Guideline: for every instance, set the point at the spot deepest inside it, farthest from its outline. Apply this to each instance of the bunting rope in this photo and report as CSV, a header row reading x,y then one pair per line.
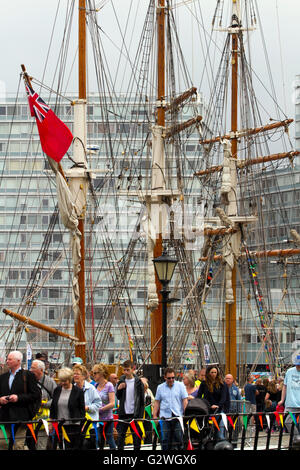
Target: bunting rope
x,y
136,425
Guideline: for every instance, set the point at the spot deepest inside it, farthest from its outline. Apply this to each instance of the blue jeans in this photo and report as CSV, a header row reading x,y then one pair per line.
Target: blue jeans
x,y
109,437
171,434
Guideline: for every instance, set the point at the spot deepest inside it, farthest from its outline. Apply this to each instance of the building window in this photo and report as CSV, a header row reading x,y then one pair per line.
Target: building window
x,y
51,314
54,293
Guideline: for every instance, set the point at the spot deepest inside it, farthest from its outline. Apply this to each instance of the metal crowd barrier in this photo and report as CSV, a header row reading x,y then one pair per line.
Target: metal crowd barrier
x,y
242,429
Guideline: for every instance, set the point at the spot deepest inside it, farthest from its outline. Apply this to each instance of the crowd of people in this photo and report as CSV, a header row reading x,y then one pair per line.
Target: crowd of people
x,y
88,409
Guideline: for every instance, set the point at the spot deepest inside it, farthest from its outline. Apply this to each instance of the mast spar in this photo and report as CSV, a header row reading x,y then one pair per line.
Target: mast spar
x,y
230,309
158,181
77,178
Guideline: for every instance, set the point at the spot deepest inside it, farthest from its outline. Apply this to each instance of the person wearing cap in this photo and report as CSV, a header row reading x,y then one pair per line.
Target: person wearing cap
x,y
290,395
76,361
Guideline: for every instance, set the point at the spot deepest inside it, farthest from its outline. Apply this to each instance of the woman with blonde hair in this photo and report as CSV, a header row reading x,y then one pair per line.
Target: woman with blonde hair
x,y
68,405
189,382
106,392
92,401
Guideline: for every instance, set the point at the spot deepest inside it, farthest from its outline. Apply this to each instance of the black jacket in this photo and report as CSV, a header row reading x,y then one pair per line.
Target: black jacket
x,y
139,399
76,403
219,396
28,394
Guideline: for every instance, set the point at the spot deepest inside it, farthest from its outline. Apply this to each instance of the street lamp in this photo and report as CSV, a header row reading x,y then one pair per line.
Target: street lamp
x,y
164,266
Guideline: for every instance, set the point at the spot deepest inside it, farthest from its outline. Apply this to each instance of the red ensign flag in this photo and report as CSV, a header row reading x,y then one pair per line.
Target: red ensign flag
x,y
55,136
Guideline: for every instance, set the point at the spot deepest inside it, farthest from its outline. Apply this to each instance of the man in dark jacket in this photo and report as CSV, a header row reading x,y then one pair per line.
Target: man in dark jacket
x,y
130,393
19,396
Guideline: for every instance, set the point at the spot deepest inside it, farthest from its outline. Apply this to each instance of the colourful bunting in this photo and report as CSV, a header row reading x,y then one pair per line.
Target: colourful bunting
x,y
154,427
55,425
231,422
46,426
215,422
103,430
245,421
224,419
132,424
141,426
148,410
190,447
96,433
4,432
65,435
293,417
194,425
13,431
32,431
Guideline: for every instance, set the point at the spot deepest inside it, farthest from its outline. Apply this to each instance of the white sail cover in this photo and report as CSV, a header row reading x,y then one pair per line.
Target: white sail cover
x,y
68,215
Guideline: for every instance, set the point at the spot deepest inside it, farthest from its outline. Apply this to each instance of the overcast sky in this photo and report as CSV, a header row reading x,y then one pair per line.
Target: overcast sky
x,y
26,27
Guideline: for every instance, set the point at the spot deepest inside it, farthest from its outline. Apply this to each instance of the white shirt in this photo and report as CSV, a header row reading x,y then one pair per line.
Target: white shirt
x,y
129,400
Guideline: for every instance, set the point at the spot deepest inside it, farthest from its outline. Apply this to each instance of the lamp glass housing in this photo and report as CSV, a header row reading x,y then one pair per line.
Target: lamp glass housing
x,y
164,267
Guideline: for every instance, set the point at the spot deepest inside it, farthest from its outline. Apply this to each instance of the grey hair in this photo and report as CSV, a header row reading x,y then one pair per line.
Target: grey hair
x,y
18,355
40,364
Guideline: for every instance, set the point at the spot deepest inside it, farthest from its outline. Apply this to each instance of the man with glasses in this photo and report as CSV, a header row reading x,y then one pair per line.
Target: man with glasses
x,y
170,403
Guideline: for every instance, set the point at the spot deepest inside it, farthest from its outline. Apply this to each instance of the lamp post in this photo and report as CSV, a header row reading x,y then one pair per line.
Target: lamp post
x,y
164,266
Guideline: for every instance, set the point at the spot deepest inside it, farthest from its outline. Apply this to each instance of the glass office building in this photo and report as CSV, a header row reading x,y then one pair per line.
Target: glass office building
x,y
34,246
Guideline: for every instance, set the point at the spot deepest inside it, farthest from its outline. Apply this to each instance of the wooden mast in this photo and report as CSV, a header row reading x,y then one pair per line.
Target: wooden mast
x,y
156,315
230,308
80,347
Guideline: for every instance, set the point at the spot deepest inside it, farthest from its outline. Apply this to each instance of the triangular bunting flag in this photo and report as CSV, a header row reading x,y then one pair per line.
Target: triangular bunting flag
x,y
46,426
65,435
190,447
224,419
55,425
32,431
194,425
281,419
261,421
293,417
4,432
96,433
148,410
12,427
103,431
276,416
154,427
132,424
231,422
215,422
142,429
268,420
180,419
